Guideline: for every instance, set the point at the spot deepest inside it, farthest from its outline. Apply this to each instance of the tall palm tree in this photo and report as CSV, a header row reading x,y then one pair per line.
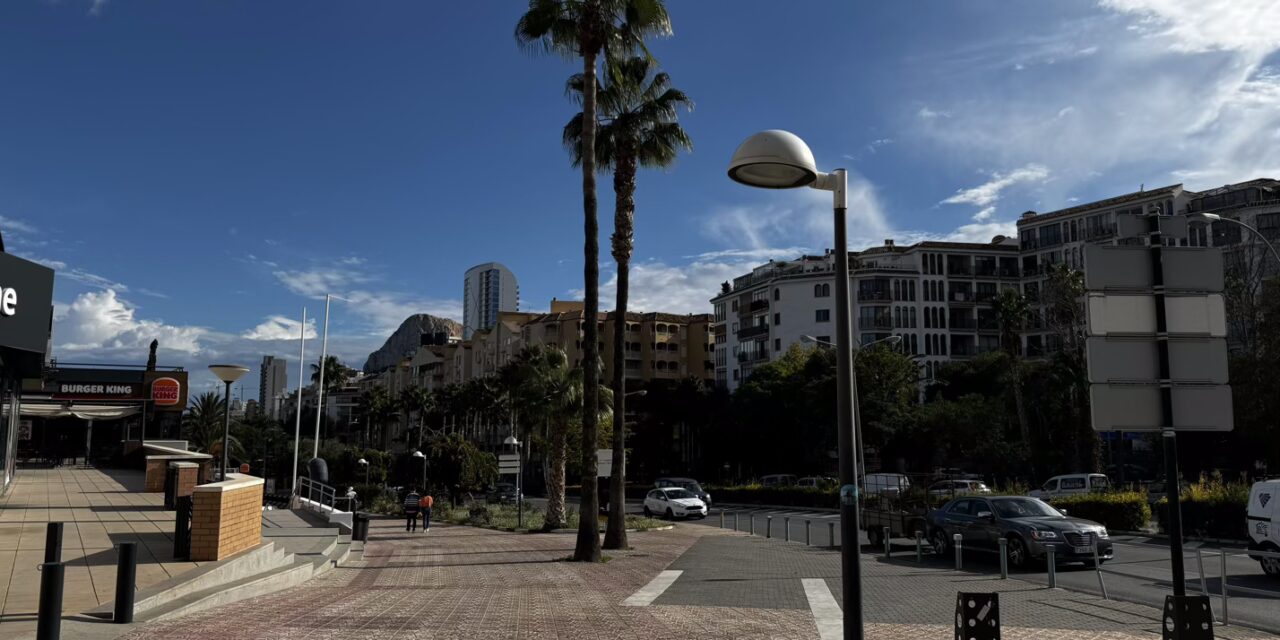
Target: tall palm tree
x,y
203,424
335,374
638,127
415,401
583,29
1012,312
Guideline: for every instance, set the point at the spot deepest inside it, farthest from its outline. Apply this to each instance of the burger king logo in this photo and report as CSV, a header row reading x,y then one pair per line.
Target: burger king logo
x,y
166,392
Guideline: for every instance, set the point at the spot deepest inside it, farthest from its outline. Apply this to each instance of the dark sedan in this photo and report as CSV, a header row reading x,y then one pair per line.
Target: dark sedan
x,y
1028,524
504,493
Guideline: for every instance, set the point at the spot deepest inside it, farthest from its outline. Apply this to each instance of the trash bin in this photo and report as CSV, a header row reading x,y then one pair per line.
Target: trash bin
x,y
360,526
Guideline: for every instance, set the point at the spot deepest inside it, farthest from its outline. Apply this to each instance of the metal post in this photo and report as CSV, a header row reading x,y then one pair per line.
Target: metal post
x,y
1004,558
1097,567
831,534
226,432
1053,565
126,580
1172,488
1226,611
886,542
806,532
1204,584
53,542
297,420
919,548
846,391
786,529
735,521
49,617
958,543
768,527
519,484
753,524
722,518
324,354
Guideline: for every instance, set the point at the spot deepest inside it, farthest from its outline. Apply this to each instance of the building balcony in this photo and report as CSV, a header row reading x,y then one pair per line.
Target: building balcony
x,y
868,324
959,270
759,305
985,296
757,355
1009,272
874,295
753,331
963,324
1100,232
961,297
986,271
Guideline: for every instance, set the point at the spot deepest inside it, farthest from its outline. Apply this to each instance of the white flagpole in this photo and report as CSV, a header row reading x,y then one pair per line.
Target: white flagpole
x,y
297,425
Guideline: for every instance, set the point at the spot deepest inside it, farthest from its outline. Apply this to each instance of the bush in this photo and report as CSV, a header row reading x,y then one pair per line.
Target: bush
x,y
1211,508
1120,510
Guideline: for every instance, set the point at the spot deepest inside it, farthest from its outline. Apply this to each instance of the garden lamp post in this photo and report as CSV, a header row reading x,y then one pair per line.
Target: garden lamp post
x,y
419,454
778,159
513,442
227,373
364,463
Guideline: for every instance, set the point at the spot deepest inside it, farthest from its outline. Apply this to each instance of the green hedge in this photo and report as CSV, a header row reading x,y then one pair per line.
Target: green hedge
x,y
1121,510
1211,508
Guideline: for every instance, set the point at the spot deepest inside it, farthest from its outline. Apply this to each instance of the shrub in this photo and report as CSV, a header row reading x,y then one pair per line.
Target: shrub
x,y
1121,510
1211,508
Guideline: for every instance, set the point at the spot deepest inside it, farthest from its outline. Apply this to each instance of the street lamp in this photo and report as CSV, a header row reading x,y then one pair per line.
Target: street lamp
x,y
859,444
641,393
228,373
364,463
1213,217
512,441
419,454
780,160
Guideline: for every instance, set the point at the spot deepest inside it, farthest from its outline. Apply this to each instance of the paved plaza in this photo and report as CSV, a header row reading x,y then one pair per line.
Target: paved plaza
x,y
100,509
461,582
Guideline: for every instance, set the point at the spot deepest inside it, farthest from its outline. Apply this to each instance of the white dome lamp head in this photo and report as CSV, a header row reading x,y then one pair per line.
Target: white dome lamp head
x,y
773,159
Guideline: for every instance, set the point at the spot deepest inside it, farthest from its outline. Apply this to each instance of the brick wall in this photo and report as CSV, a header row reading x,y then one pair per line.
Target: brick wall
x,y
227,517
188,478
156,468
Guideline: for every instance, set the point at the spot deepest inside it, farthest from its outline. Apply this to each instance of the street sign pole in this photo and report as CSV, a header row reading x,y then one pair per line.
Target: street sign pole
x,y
1170,437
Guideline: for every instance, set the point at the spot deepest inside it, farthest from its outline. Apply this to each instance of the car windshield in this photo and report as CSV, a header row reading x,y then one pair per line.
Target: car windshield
x,y
1023,508
678,494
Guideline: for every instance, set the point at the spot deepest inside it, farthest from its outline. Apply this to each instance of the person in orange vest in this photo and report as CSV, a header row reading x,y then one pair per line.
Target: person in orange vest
x,y
424,505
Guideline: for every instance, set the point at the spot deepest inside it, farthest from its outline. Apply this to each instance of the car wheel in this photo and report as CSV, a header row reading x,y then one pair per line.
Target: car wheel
x,y
647,512
941,543
875,537
1271,566
1019,556
669,515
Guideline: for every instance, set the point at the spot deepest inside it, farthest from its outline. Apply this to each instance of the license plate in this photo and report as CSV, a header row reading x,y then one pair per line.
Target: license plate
x,y
1088,550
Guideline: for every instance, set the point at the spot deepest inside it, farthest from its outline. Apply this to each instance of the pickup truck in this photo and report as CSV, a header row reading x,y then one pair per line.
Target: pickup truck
x,y
904,519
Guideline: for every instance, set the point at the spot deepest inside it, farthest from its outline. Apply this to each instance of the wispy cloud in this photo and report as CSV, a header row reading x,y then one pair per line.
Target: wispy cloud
x,y
988,192
14,225
925,113
97,7
281,328
383,310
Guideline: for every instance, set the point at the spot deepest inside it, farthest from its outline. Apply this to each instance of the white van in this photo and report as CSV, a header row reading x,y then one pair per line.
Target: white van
x,y
1264,524
885,484
1070,485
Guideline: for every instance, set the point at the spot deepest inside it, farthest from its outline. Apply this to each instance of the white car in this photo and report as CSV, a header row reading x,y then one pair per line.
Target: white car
x,y
1070,485
674,502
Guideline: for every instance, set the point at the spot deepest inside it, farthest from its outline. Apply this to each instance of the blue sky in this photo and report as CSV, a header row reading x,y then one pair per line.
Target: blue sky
x,y
200,171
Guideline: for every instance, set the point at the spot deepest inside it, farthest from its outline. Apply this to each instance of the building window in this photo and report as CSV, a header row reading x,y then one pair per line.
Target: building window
x,y
911,290
777,344
915,345
735,375
777,294
822,315
913,317
777,319
897,290
734,305
735,327
897,317
928,344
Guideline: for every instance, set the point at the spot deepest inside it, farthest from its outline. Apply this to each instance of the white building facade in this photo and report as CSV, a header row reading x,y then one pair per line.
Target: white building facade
x,y
273,381
487,290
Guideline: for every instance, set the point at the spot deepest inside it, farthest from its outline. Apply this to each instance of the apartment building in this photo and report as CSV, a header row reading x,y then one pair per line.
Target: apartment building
x,y
273,379
487,290
936,296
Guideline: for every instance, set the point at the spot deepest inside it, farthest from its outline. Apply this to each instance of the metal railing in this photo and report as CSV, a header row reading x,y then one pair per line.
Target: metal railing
x,y
1224,589
318,495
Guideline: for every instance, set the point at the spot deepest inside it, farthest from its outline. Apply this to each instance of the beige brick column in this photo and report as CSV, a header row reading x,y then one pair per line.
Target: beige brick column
x,y
227,517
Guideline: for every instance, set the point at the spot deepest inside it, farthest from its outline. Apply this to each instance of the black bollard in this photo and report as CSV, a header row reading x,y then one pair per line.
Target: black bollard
x,y
182,529
53,542
1187,618
126,579
978,616
49,618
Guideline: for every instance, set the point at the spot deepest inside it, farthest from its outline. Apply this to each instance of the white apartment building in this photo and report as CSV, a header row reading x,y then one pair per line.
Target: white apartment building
x,y
487,290
273,381
936,296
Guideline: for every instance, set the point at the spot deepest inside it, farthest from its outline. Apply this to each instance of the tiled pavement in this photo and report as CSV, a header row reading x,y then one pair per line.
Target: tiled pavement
x,y
100,509
459,582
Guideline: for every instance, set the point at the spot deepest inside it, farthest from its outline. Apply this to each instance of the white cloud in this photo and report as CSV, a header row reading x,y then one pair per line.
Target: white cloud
x,y
8,225
280,328
96,8
383,310
925,113
981,232
984,214
101,321
988,192
1196,26
658,286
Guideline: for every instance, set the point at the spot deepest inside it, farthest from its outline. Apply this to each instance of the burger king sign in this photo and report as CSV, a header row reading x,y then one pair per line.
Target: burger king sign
x,y
166,392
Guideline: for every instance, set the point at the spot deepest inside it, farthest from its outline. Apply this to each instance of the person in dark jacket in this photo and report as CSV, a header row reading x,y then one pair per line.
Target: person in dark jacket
x,y
411,510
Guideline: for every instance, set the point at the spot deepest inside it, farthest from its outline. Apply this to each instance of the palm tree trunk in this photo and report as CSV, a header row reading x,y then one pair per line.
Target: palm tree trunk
x,y
624,185
588,544
555,479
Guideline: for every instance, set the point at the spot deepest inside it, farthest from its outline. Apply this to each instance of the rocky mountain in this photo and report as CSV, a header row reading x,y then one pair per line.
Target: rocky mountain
x,y
415,331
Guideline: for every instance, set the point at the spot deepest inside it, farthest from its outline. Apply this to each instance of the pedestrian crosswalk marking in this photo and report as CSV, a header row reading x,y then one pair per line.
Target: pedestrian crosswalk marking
x,y
826,613
650,592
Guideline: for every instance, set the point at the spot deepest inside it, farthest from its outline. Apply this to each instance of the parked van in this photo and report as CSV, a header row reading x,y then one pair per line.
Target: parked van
x,y
778,480
1070,485
1264,524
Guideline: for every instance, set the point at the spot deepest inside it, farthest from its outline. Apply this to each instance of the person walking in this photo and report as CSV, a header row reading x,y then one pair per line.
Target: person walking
x,y
411,510
425,505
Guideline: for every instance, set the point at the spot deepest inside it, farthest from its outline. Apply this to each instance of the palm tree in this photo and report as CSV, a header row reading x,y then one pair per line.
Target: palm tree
x,y
203,425
417,401
584,28
638,110
1012,312
335,374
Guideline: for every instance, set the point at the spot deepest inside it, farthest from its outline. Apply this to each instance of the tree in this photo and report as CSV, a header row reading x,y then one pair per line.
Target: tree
x,y
637,128
379,410
461,466
1063,297
415,401
582,29
1012,314
335,374
203,425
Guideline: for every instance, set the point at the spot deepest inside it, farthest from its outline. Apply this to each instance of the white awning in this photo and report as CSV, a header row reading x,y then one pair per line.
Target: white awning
x,y
82,411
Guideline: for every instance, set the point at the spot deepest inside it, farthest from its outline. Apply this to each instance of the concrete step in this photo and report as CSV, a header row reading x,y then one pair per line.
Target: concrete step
x,y
291,575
